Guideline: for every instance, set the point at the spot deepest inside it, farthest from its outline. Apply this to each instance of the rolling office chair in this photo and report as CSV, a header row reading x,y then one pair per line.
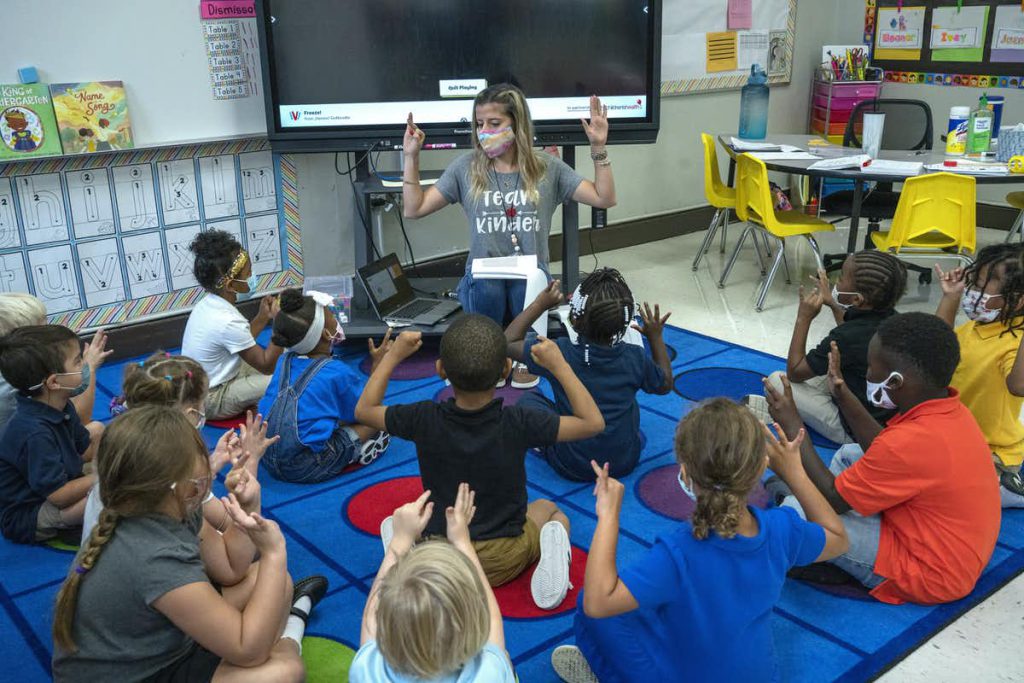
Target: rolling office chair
x,y
908,126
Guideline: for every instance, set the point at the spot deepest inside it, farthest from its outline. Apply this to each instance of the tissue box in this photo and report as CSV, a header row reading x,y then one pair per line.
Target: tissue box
x,y
1011,143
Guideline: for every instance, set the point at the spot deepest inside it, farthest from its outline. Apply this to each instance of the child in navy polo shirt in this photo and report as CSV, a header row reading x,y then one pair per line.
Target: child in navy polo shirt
x,y
42,487
611,366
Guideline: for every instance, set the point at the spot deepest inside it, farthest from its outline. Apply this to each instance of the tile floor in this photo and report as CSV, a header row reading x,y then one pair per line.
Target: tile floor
x,y
984,644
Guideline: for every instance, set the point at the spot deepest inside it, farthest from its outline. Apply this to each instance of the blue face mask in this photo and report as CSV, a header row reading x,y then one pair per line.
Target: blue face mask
x,y
85,372
251,282
686,489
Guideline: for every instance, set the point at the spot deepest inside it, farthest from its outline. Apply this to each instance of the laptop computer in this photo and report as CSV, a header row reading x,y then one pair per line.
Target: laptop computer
x,y
393,299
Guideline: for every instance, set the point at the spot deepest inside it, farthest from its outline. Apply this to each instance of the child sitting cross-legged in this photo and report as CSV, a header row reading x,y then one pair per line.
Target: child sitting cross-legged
x,y
312,396
612,369
139,604
990,376
45,446
474,438
699,605
431,614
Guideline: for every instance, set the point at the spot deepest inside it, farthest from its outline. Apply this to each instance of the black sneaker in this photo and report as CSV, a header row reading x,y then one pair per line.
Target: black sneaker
x,y
312,587
1012,482
821,573
777,489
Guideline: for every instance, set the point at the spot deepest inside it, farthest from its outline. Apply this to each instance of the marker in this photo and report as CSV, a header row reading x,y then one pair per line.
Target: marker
x,y
440,145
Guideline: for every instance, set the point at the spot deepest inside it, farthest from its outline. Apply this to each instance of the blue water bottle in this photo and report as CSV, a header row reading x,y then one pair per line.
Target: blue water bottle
x,y
754,106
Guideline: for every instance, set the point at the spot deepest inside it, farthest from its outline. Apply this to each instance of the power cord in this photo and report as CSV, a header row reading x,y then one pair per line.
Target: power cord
x,y
355,196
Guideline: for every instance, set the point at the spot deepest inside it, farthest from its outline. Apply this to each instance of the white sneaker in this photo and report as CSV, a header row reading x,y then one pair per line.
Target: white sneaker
x,y
522,379
571,666
387,532
550,580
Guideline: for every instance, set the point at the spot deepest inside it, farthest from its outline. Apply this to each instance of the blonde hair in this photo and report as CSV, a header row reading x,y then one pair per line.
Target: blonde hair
x,y
143,453
722,445
18,309
163,379
432,614
532,166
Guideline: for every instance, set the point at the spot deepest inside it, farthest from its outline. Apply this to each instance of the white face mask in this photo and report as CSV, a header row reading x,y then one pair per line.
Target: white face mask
x,y
836,294
974,303
686,489
878,392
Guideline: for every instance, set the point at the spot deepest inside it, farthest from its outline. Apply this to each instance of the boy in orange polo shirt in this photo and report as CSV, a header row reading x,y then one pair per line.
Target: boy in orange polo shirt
x,y
918,499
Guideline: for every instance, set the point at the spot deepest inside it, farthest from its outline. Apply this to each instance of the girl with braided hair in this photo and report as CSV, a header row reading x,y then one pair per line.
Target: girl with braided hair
x,y
138,602
612,367
990,376
700,600
869,287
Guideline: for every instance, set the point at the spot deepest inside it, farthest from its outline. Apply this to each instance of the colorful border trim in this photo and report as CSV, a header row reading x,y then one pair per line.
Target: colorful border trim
x,y
710,83
127,312
922,78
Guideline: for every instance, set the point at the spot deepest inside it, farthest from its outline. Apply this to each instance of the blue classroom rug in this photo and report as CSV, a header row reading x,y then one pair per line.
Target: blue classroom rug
x,y
836,634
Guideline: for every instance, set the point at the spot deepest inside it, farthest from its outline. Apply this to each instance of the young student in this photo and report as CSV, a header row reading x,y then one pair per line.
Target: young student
x,y
431,614
701,600
180,382
311,400
20,309
613,370
990,376
917,497
138,602
869,287
509,191
45,445
473,438
218,336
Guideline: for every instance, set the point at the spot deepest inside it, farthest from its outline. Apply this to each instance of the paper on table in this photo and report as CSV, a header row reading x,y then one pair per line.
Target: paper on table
x,y
971,168
740,14
886,167
855,161
721,51
749,146
783,156
752,49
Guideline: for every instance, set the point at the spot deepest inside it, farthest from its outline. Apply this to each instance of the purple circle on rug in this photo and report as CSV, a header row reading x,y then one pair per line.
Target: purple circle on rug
x,y
734,383
420,365
659,492
510,395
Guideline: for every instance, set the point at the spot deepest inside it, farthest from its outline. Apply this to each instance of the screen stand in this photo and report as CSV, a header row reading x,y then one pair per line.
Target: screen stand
x,y
570,233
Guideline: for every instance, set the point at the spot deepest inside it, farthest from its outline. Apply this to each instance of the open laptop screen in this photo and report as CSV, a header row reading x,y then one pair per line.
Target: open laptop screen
x,y
386,284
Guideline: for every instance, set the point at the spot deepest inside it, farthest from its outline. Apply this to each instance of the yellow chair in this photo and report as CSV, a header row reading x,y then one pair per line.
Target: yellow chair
x,y
756,206
1016,200
935,217
718,194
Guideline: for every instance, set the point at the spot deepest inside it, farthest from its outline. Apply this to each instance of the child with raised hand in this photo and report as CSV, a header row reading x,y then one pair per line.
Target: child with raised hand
x,y
45,446
138,602
312,396
611,368
869,287
990,376
474,438
700,601
218,336
431,614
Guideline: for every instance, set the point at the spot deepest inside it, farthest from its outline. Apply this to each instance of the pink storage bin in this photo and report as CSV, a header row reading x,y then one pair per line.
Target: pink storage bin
x,y
846,91
840,105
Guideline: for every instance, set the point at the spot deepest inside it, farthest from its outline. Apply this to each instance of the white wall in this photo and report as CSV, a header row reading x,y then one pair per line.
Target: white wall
x,y
650,179
850,26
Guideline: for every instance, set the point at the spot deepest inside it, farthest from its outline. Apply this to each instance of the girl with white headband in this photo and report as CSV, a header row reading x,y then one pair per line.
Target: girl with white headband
x,y
312,396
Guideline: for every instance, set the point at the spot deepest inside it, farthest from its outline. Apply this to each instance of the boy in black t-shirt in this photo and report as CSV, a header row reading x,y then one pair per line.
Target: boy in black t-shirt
x,y
473,438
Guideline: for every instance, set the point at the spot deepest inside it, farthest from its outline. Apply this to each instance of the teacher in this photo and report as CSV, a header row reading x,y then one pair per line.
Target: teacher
x,y
509,191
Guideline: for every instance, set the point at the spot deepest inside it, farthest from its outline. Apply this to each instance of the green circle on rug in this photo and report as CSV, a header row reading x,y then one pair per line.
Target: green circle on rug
x,y
327,661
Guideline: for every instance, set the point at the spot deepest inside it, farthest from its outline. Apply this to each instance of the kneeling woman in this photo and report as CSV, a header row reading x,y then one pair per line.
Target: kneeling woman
x,y
312,397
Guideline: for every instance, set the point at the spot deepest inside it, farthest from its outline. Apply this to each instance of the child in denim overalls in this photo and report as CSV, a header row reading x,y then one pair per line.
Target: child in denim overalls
x,y
311,400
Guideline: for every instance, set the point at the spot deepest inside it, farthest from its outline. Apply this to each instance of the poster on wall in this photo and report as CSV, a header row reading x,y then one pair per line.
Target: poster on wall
x,y
958,34
900,33
1008,34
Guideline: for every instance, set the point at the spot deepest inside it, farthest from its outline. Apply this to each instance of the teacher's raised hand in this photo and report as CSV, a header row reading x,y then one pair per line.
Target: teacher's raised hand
x,y
596,128
412,143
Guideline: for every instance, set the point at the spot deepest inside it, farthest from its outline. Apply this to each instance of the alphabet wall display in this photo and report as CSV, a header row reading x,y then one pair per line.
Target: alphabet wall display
x,y
107,240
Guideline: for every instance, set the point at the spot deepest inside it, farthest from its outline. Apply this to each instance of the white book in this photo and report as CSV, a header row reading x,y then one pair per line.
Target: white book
x,y
505,267
854,161
896,168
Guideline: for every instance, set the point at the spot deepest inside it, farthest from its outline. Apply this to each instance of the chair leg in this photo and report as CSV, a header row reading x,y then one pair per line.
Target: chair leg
x,y
725,229
732,258
785,261
708,238
816,250
763,294
758,240
1017,227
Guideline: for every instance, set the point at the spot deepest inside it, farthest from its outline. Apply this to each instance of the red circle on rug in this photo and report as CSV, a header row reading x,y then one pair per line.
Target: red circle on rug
x,y
509,395
420,365
369,507
659,491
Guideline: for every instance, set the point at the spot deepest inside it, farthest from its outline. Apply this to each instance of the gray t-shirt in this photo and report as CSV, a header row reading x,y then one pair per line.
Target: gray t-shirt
x,y
490,227
120,636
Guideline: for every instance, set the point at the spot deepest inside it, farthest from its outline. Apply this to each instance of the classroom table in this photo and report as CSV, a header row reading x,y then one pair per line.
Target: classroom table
x,y
800,167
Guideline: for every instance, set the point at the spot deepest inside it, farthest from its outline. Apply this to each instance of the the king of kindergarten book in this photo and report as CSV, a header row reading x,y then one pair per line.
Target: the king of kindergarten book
x,y
93,117
27,125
